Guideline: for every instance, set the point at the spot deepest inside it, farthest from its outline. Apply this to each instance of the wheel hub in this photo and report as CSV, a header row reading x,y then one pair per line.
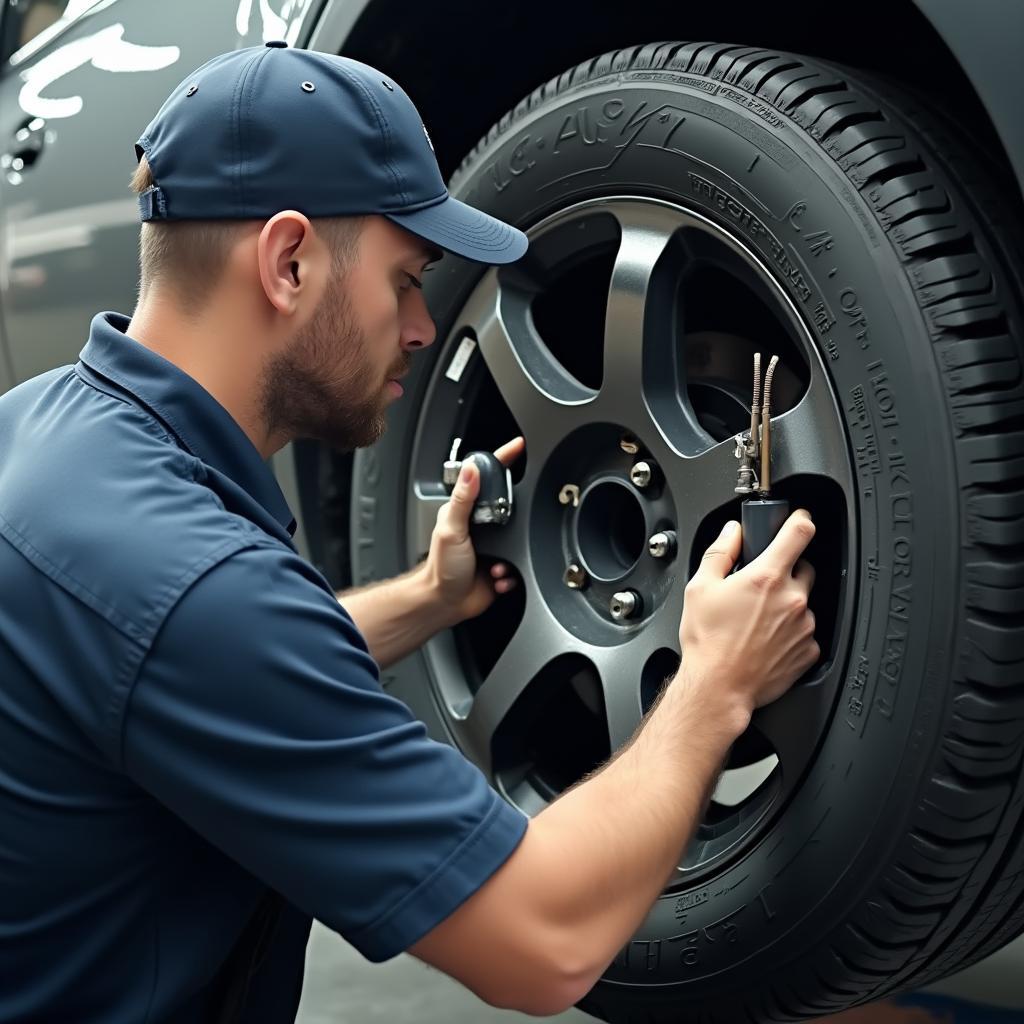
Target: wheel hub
x,y
605,532
609,529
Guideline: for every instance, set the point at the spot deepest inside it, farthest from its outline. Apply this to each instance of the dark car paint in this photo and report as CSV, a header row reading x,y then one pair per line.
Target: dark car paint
x,y
70,227
988,50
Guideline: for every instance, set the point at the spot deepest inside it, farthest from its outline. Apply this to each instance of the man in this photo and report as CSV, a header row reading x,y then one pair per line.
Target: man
x,y
196,756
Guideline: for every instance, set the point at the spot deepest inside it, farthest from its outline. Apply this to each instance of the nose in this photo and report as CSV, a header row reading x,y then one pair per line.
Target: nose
x,y
419,330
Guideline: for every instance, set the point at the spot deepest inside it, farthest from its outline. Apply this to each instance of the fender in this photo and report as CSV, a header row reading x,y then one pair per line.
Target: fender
x,y
991,60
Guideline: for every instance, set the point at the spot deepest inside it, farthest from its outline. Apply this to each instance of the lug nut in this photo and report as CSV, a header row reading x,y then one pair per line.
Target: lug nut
x,y
575,578
663,544
641,474
624,605
569,495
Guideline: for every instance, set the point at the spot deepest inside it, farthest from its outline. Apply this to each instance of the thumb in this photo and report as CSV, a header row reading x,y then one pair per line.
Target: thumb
x,y
721,556
466,489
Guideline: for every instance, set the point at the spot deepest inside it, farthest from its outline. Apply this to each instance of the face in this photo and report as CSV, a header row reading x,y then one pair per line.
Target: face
x,y
336,379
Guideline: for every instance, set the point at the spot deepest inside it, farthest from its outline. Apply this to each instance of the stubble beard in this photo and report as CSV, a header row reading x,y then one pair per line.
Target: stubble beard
x,y
324,387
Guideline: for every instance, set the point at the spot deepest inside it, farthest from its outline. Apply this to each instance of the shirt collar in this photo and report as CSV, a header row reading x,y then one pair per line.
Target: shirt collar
x,y
201,424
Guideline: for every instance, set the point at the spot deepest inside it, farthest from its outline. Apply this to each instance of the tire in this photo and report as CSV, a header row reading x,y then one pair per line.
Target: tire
x,y
896,855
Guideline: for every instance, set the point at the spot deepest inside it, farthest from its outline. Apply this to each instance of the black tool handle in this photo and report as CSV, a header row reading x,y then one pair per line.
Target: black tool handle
x,y
493,487
762,520
492,474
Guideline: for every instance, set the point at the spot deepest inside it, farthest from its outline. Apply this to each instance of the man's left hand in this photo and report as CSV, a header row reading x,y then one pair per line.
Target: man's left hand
x,y
451,566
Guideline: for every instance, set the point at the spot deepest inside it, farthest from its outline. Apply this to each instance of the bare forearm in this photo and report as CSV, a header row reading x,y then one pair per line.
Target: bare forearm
x,y
624,831
395,616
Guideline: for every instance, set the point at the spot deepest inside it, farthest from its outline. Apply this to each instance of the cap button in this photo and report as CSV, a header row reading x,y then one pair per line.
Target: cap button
x,y
278,44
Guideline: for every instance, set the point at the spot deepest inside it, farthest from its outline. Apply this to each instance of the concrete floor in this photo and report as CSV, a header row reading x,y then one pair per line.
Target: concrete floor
x,y
343,988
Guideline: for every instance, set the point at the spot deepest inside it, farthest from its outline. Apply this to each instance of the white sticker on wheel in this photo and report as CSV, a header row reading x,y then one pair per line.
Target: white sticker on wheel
x,y
460,359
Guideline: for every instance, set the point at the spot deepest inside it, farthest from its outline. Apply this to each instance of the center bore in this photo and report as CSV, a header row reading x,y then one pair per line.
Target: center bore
x,y
610,533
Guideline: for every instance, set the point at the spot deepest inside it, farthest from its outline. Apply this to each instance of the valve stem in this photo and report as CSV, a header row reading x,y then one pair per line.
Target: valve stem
x,y
753,448
755,408
766,431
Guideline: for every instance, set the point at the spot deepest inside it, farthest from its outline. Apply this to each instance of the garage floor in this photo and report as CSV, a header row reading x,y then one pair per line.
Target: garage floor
x,y
343,988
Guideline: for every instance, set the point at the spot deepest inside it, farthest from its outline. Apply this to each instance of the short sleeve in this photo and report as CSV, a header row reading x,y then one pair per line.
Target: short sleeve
x,y
258,719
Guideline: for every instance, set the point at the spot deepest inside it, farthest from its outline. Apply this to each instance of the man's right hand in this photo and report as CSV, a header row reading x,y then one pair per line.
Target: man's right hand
x,y
748,636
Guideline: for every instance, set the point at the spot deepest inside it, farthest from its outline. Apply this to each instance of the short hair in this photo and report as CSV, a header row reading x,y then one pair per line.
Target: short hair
x,y
188,256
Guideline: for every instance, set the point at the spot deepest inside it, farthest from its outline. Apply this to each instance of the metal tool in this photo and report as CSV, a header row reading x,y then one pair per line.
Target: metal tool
x,y
493,504
762,516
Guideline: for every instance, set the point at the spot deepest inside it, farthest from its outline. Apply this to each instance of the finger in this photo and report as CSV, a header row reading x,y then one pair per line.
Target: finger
x,y
510,451
789,544
499,569
460,507
504,585
721,556
805,575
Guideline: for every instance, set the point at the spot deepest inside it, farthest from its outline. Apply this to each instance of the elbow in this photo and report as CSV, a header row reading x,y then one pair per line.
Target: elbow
x,y
555,981
561,994
543,997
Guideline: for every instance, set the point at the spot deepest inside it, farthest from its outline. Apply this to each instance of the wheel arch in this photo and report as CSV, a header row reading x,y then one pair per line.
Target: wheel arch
x,y
442,57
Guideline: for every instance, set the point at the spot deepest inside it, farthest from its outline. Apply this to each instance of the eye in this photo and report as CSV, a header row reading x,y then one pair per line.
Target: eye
x,y
414,281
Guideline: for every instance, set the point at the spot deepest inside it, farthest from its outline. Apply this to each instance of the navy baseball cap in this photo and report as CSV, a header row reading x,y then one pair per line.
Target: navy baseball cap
x,y
270,128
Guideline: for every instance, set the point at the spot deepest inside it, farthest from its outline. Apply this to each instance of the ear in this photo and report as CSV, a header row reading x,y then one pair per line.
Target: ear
x,y
290,261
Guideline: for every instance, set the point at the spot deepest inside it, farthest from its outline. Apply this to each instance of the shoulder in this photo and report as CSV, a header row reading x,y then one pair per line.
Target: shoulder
x,y
106,506
264,612
268,586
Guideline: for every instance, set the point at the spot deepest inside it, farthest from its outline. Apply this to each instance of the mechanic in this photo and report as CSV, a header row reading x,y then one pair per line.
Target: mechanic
x,y
196,754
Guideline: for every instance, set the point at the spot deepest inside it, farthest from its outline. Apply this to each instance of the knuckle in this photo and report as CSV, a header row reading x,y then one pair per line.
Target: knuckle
x,y
766,580
796,604
804,529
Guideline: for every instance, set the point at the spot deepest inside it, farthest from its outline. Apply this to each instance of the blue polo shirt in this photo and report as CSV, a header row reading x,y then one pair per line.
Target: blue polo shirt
x,y
192,730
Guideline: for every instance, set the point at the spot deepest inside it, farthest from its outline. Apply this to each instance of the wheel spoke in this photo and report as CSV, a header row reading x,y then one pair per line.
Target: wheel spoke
x,y
788,723
639,306
644,374
622,670
809,439
537,641
702,484
535,386
620,683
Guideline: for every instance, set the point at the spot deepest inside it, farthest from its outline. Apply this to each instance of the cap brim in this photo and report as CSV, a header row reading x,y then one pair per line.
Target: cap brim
x,y
465,231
